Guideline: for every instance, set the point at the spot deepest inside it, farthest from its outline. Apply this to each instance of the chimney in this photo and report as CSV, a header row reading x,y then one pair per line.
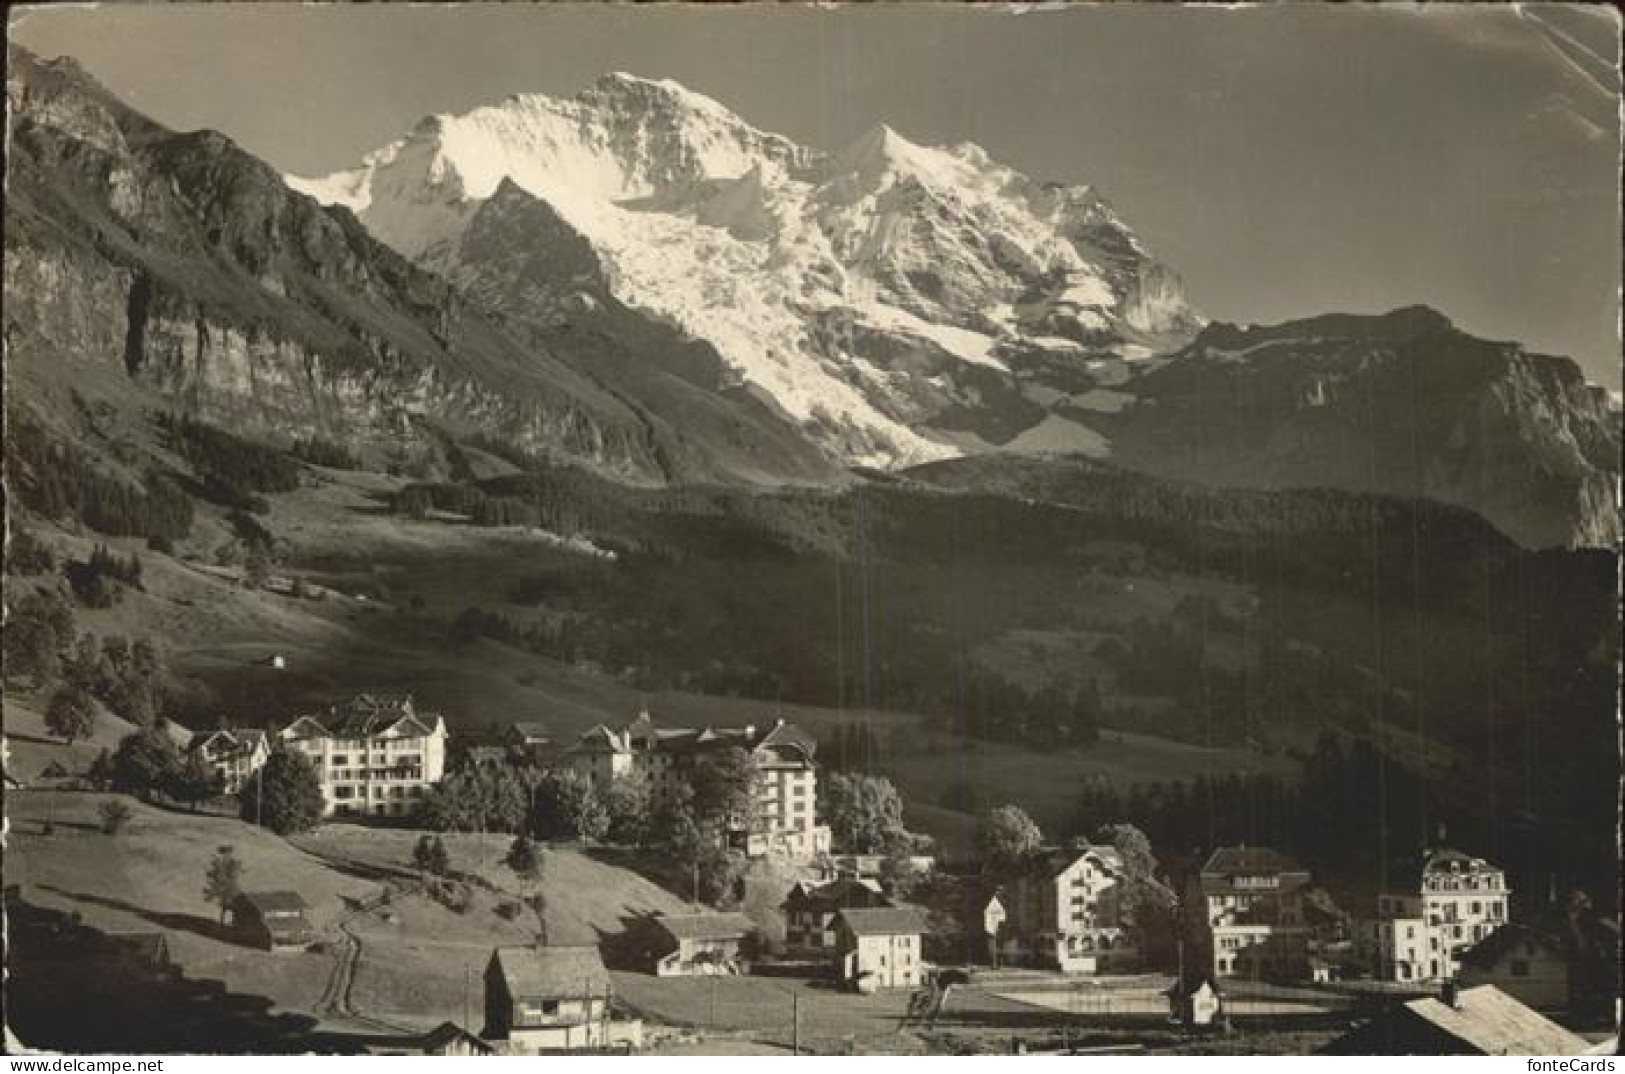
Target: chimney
x,y
1448,995
750,732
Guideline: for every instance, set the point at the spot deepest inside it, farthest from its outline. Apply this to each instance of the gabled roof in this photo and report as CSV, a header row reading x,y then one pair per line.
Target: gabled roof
x,y
531,731
1250,861
367,716
1506,940
788,734
227,741
884,920
274,902
551,972
1053,861
726,926
599,739
835,895
449,1032
1491,1022
304,727
371,715
1226,864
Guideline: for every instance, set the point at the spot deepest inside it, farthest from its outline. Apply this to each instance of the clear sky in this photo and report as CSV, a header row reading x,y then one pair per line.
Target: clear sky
x,y
1285,160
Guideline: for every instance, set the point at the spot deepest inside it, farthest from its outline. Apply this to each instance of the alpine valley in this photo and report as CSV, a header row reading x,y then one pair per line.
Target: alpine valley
x,y
566,405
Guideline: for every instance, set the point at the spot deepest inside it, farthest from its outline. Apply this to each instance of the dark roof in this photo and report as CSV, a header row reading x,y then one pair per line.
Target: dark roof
x,y
447,1032
788,734
884,920
531,731
486,755
835,895
365,715
1504,940
235,742
1250,861
1225,864
1493,1023
274,902
598,740
551,972
727,926
1053,861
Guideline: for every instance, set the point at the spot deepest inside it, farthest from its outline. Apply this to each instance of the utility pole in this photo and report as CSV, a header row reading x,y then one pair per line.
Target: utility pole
x,y
468,991
795,1023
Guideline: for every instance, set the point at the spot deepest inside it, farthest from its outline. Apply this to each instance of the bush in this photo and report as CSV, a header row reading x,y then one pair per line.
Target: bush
x,y
27,554
454,895
115,815
162,544
96,581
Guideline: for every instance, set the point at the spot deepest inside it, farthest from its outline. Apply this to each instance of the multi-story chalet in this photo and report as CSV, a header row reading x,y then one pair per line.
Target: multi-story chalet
x,y
376,756
1062,910
810,909
549,999
879,947
233,756
692,944
1449,902
787,780
1248,908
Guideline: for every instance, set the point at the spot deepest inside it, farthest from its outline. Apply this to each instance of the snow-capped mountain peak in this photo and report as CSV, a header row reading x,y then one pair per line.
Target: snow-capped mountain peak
x,y
868,292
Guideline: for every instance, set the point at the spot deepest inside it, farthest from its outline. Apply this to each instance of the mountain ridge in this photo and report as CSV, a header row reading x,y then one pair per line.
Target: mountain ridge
x,y
824,279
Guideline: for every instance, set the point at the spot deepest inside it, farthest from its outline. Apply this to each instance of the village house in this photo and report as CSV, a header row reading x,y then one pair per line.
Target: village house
x,y
274,920
1247,908
785,818
1197,1003
688,945
1528,964
601,754
1449,902
232,755
540,999
1063,911
530,740
810,909
375,756
879,947
447,1038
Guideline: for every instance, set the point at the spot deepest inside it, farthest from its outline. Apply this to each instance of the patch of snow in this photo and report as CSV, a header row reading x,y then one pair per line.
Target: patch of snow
x,y
1055,343
962,343
1102,400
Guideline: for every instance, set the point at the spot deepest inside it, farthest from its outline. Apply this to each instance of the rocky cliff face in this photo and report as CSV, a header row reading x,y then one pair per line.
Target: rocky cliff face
x,y
1403,404
187,266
